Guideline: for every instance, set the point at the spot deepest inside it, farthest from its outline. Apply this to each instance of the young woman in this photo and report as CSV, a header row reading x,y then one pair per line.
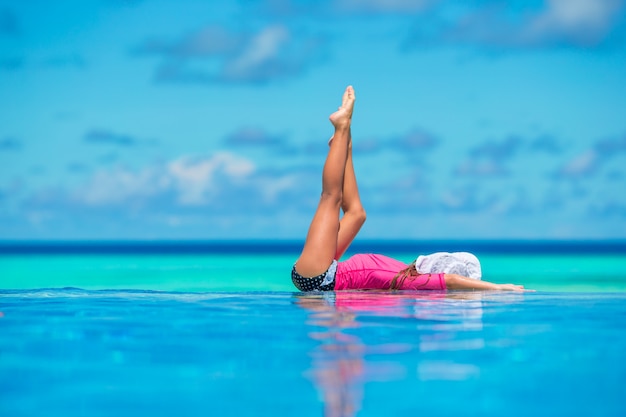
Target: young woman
x,y
318,269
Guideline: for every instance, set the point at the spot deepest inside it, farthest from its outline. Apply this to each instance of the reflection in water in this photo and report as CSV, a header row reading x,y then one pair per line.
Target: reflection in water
x,y
340,365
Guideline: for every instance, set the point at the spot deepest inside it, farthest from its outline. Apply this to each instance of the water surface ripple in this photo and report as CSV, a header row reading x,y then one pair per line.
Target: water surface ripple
x,y
70,352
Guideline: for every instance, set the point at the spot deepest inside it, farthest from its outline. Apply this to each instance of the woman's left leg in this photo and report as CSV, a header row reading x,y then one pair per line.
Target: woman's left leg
x,y
321,242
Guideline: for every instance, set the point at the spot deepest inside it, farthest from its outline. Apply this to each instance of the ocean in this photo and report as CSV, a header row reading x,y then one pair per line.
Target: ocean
x,y
266,266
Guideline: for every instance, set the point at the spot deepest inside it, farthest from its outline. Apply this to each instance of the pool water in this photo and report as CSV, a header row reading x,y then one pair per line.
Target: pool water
x,y
70,352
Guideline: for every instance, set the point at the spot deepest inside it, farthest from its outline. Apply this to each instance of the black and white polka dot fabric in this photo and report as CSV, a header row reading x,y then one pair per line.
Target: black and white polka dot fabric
x,y
323,282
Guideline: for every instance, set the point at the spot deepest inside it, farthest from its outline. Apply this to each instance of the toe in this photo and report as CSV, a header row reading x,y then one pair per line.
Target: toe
x,y
350,96
345,98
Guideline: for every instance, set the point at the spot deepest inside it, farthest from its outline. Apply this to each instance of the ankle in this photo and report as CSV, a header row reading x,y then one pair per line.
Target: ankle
x,y
342,126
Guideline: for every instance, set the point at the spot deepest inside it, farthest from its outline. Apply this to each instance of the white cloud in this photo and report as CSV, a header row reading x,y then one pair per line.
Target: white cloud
x,y
383,6
594,159
468,199
322,8
272,188
490,157
194,179
217,54
117,185
578,23
486,167
190,181
582,21
581,165
261,50
208,41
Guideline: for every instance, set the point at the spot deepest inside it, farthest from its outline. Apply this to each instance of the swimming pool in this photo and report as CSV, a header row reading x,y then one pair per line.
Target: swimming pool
x,y
70,352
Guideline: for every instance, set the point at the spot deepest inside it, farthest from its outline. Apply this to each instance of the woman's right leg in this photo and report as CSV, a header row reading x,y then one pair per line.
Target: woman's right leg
x,y
321,242
353,212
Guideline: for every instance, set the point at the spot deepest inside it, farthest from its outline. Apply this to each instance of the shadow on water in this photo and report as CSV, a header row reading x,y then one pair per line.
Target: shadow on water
x,y
475,353
355,330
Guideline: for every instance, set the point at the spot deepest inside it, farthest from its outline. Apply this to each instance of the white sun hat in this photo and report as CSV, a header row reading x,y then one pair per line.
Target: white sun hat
x,y
461,263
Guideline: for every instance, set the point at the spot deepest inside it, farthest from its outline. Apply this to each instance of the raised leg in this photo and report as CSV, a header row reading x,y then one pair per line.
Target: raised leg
x,y
320,246
353,212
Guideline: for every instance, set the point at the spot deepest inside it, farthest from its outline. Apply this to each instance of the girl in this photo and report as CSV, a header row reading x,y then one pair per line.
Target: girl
x,y
318,269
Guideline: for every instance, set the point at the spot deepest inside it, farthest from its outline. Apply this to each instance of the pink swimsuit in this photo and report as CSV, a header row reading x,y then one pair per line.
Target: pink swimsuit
x,y
375,272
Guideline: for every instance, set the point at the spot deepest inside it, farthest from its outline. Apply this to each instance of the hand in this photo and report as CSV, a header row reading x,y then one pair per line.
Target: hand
x,y
510,287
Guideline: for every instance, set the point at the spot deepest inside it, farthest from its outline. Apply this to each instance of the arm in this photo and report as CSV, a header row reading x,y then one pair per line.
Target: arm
x,y
458,282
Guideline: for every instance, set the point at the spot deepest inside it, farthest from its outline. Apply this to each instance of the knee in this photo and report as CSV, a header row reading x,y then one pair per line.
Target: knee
x,y
361,215
334,197
358,215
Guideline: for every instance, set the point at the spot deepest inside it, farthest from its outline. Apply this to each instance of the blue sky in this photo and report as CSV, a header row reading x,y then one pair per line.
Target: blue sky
x,y
208,119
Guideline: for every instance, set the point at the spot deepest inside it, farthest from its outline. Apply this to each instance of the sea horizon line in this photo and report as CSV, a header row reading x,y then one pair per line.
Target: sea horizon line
x,y
292,246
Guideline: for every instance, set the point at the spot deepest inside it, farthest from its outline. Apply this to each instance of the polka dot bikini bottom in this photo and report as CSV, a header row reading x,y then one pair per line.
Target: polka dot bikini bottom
x,y
322,282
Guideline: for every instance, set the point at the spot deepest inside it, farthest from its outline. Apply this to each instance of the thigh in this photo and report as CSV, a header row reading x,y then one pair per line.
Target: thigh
x,y
321,241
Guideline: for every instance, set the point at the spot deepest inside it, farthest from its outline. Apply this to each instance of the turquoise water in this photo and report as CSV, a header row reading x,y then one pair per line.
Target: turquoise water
x,y
270,272
132,353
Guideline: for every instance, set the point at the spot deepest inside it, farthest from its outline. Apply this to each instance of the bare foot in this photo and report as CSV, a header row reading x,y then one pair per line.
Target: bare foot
x,y
342,117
